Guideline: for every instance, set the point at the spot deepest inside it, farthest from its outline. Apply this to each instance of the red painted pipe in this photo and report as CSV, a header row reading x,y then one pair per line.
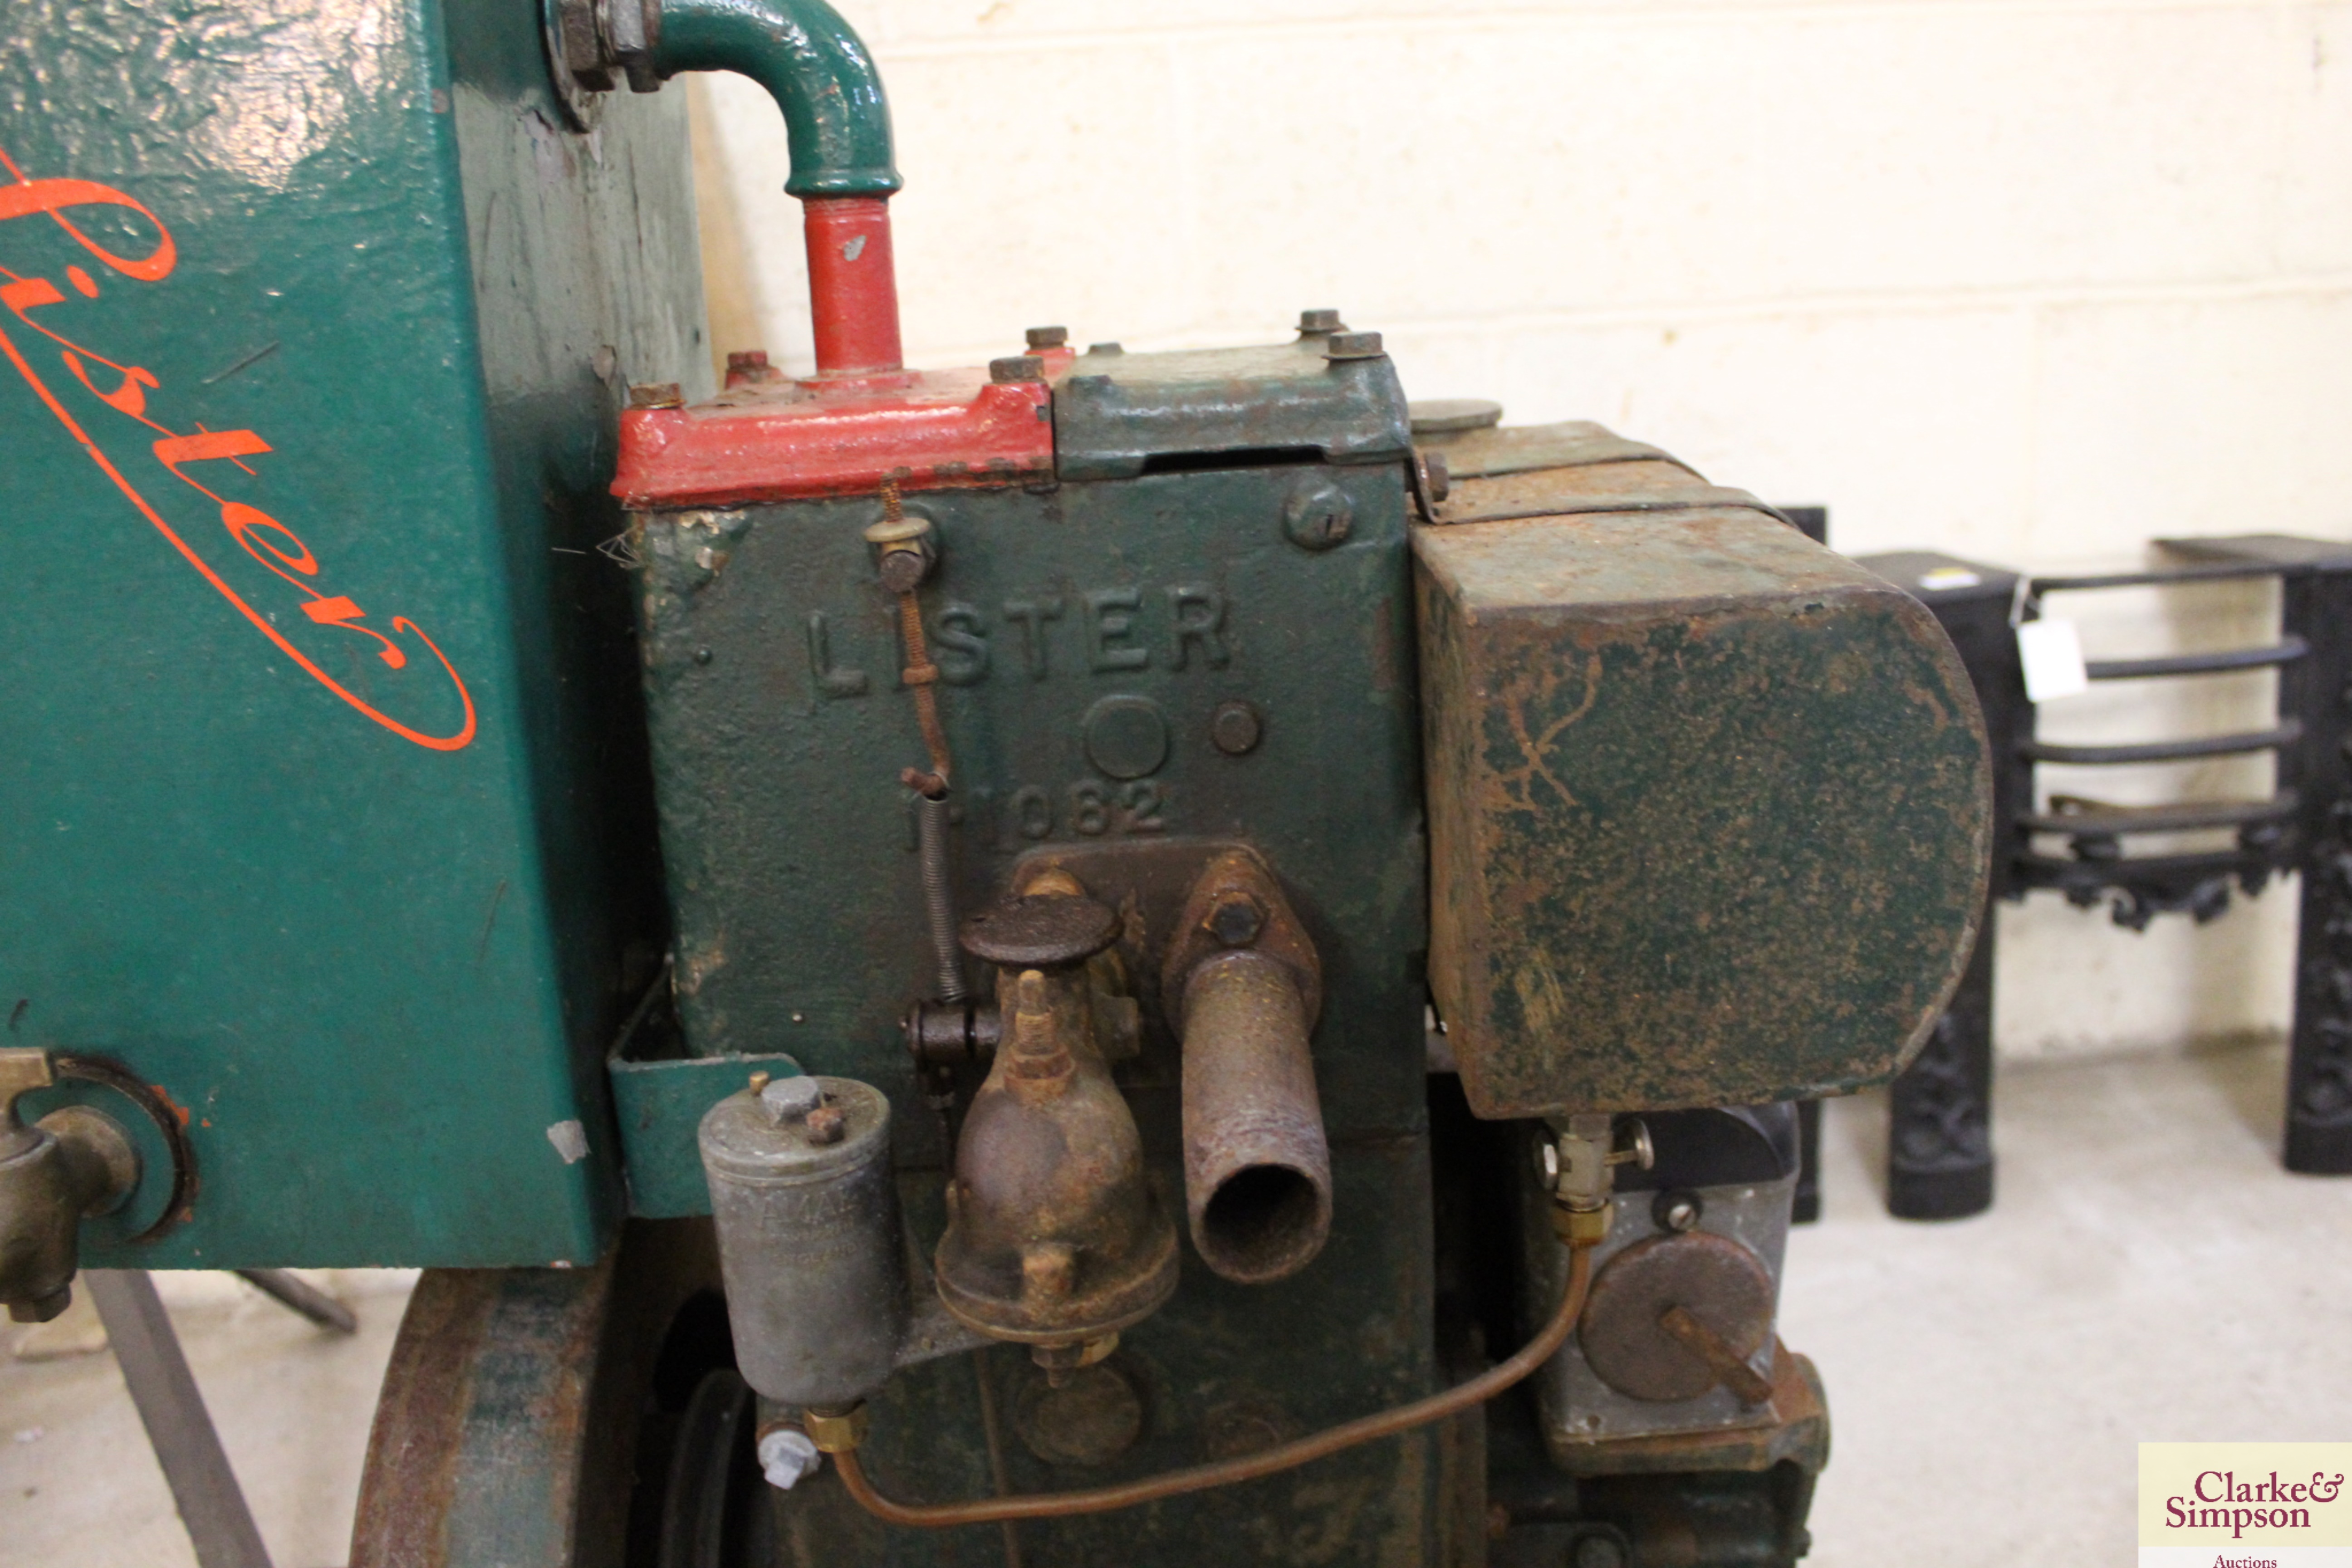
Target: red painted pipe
x,y
853,284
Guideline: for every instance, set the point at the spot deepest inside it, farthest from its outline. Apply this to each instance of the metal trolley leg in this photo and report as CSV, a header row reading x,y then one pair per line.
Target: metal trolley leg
x,y
285,1288
204,1487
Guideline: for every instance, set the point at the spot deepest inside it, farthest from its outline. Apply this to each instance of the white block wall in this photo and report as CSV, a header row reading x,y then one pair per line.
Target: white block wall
x,y
2028,280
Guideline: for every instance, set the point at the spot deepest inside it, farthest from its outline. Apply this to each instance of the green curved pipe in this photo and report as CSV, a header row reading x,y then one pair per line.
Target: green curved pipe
x,y
817,69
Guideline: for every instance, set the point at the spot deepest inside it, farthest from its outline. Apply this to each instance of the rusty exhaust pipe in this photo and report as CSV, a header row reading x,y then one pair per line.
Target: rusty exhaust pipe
x,y
1257,1166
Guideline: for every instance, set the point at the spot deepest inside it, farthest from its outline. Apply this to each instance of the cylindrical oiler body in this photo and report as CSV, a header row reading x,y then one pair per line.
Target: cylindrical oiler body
x,y
809,1244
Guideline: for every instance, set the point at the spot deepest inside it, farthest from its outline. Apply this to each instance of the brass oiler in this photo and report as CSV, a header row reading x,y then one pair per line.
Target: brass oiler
x,y
1054,1238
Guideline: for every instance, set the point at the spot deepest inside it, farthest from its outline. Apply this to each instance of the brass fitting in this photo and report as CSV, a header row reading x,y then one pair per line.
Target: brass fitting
x,y
74,1165
1581,1228
1054,1238
836,1431
1580,1169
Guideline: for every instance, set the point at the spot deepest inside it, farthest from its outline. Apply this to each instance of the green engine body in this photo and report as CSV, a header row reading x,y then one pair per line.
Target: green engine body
x,y
439,888
1087,632
367,917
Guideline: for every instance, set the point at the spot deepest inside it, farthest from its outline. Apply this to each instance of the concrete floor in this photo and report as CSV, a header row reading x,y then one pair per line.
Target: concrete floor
x,y
2149,1273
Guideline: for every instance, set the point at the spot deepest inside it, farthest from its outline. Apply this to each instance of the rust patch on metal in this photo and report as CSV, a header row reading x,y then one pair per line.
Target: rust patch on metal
x,y
1257,1164
1709,808
1714,1281
1795,1428
1054,1238
410,1476
507,1427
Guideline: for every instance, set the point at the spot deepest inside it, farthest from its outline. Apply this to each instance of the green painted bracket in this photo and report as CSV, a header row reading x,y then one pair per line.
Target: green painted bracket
x,y
658,1098
815,67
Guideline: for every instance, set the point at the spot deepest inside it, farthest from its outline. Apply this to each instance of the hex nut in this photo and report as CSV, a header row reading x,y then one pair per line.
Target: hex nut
x,y
1235,918
1320,320
836,1431
902,568
1436,474
1017,367
1354,345
657,395
826,1124
1582,1228
1047,337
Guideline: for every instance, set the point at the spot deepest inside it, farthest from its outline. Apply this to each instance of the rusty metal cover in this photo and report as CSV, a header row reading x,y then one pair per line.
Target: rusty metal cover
x,y
1710,811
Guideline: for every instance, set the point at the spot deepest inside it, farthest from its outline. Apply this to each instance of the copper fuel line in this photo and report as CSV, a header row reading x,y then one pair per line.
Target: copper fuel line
x,y
839,1433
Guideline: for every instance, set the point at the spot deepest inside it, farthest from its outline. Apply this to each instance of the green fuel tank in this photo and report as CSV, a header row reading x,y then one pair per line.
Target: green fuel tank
x,y
322,799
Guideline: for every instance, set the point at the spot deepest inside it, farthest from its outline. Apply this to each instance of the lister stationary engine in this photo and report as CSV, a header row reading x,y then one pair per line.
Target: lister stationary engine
x,y
1238,951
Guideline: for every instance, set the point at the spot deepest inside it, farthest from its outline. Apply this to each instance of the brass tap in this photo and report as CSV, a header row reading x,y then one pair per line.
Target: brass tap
x,y
76,1163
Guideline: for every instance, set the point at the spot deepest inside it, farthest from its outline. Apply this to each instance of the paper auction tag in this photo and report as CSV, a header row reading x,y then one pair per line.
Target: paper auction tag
x,y
2245,1505
2053,653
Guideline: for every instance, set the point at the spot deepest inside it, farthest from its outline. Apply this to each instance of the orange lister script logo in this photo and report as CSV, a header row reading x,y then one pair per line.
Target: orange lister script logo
x,y
268,541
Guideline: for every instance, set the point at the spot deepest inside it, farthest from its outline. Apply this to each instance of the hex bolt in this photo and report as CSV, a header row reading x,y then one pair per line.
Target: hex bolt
x,y
1048,337
1235,728
749,367
1235,918
1018,367
1314,322
1436,474
1353,345
1106,348
657,395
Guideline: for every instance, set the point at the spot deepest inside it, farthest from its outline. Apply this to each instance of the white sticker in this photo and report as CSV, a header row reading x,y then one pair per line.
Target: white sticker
x,y
2053,653
1944,578
571,1141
